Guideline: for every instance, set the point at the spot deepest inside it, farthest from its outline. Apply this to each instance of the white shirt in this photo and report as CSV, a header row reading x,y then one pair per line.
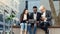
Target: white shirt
x,y
25,17
44,15
35,15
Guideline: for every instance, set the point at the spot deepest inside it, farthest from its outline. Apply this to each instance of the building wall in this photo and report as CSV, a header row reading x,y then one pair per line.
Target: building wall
x,y
9,5
12,4
21,7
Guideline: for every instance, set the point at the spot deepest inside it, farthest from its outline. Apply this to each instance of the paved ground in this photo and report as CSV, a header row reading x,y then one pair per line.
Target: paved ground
x,y
17,31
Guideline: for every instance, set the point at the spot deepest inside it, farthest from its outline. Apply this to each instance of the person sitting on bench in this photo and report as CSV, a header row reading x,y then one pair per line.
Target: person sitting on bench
x,y
45,19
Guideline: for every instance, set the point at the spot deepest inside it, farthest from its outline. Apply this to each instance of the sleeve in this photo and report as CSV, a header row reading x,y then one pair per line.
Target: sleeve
x,y
49,17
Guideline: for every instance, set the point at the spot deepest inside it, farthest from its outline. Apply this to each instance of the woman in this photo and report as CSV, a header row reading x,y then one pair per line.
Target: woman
x,y
24,20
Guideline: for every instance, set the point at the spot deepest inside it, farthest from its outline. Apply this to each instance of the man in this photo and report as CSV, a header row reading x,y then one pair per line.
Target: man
x,y
35,16
45,19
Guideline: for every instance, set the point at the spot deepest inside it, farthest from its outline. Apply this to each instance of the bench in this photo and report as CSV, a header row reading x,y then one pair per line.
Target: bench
x,y
52,30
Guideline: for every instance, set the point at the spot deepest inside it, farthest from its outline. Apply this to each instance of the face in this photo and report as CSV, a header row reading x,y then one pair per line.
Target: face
x,y
42,10
26,11
35,10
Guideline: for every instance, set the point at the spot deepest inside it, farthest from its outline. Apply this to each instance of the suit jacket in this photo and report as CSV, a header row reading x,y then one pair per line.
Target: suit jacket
x,y
48,16
37,17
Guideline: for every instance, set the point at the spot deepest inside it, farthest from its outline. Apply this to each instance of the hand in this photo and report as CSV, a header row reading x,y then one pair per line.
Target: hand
x,y
43,18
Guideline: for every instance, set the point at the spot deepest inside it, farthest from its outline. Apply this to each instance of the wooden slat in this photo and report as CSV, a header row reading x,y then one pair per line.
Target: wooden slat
x,y
49,26
54,26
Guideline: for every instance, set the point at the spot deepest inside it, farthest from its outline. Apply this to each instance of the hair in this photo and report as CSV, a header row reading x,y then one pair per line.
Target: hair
x,y
24,11
34,6
21,17
42,7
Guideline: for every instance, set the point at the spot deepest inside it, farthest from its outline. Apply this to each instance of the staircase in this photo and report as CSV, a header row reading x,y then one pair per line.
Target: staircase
x,y
17,31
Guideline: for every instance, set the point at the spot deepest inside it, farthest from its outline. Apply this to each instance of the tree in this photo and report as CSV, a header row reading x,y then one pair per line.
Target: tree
x,y
55,17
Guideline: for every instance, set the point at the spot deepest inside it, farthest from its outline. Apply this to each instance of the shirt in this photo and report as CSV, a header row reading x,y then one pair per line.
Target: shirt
x,y
35,15
25,17
44,15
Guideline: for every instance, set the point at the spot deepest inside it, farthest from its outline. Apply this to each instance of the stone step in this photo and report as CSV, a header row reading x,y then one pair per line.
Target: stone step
x,y
40,31
17,31
52,30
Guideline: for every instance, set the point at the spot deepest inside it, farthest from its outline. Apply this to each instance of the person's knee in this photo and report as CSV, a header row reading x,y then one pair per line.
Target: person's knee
x,y
22,26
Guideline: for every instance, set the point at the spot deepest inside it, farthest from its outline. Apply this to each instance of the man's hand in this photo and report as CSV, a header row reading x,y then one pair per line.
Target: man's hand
x,y
43,18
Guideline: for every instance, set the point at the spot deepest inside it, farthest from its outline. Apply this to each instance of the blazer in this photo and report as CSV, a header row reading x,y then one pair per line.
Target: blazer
x,y
48,16
37,17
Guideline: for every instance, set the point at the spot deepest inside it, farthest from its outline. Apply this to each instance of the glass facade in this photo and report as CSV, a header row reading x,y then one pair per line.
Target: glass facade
x,y
6,7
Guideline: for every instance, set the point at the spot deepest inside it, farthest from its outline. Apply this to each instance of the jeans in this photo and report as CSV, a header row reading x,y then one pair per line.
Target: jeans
x,y
30,29
23,26
44,26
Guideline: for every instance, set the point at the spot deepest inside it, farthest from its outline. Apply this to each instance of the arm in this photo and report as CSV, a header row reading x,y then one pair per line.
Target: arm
x,y
49,17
